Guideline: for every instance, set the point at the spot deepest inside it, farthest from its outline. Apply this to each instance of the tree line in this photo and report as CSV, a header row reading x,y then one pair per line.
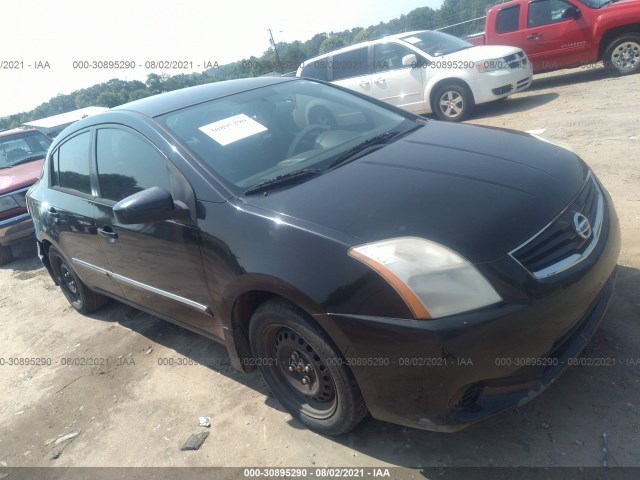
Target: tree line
x,y
289,55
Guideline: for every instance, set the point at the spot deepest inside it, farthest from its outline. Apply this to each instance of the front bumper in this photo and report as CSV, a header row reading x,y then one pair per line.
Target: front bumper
x,y
15,228
501,83
449,373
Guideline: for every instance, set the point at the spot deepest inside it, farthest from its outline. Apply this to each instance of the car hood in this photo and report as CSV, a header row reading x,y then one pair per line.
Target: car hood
x,y
20,176
481,52
478,190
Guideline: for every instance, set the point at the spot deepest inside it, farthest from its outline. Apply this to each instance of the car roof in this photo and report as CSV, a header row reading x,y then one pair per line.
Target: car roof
x,y
177,99
355,46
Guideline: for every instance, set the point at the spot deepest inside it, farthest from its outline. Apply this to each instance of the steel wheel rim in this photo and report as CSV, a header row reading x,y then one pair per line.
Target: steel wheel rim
x,y
67,280
315,397
626,56
451,104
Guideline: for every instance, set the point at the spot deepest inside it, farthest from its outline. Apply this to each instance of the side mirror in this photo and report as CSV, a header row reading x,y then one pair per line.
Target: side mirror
x,y
151,205
572,12
410,60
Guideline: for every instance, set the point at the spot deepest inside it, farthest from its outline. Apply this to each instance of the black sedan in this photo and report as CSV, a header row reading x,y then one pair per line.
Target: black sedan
x,y
364,259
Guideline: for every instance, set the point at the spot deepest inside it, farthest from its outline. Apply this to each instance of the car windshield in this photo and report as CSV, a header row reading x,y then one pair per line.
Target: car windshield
x,y
436,44
278,133
22,147
596,3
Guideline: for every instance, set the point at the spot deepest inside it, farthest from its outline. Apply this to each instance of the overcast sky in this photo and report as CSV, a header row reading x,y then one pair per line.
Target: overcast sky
x,y
38,31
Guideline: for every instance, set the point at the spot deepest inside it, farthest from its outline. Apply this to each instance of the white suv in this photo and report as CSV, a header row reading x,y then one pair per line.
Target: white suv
x,y
425,71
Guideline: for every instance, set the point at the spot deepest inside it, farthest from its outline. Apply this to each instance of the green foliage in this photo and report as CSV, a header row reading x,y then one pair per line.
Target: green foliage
x,y
116,92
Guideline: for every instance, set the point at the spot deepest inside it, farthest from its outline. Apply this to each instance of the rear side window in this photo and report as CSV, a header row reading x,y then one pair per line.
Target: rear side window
x,y
127,164
350,64
317,69
71,164
508,19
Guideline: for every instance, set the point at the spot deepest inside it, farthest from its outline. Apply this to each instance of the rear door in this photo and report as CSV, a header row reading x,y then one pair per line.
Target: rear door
x,y
70,212
552,41
158,264
395,83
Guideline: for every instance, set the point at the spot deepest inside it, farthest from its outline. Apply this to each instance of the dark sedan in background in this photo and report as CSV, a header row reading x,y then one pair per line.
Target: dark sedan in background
x,y
364,259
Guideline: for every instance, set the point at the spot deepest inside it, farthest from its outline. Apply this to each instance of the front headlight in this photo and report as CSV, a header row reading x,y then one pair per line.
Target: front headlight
x,y
433,280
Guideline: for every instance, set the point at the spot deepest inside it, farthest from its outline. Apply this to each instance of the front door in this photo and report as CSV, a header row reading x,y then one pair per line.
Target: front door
x,y
395,83
552,41
158,264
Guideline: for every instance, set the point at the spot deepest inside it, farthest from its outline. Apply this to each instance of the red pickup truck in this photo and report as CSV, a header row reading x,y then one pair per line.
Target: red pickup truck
x,y
567,33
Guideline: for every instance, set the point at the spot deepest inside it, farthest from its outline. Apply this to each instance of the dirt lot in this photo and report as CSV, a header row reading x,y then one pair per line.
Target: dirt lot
x,y
131,410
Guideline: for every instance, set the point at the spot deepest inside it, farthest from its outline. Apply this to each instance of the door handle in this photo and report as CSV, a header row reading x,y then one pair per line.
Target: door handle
x,y
534,36
380,80
53,214
364,84
108,233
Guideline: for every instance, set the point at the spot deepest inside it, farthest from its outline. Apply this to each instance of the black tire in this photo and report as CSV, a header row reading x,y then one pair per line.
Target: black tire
x,y
78,294
452,103
321,391
6,255
622,55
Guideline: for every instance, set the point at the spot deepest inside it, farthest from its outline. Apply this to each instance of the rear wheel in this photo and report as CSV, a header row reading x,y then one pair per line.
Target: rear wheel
x,y
78,294
6,255
622,56
453,103
303,369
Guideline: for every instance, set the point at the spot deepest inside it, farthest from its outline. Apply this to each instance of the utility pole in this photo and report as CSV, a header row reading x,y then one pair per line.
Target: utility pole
x,y
276,50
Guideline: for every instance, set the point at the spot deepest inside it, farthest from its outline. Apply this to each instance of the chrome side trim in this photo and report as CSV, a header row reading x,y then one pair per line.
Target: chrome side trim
x,y
144,286
574,259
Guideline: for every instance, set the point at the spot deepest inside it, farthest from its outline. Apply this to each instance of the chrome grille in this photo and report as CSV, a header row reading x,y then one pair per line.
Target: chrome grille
x,y
516,60
559,245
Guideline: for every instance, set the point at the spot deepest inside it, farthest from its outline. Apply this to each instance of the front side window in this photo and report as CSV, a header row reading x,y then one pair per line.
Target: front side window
x,y
388,56
353,63
545,12
72,164
127,164
508,19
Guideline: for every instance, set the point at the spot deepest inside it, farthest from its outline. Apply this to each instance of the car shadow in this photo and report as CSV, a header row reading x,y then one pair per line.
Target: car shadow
x,y
512,104
25,258
591,73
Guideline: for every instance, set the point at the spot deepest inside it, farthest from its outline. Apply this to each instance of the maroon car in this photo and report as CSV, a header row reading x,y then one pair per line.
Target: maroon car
x,y
21,156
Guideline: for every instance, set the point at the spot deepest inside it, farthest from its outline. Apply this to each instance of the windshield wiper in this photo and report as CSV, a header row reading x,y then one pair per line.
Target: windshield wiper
x,y
363,148
284,179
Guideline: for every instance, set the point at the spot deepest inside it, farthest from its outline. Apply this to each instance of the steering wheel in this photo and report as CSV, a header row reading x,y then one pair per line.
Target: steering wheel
x,y
306,131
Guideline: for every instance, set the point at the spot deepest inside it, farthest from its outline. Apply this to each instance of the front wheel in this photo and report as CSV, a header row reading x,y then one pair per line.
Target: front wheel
x,y
622,56
453,103
304,370
78,294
